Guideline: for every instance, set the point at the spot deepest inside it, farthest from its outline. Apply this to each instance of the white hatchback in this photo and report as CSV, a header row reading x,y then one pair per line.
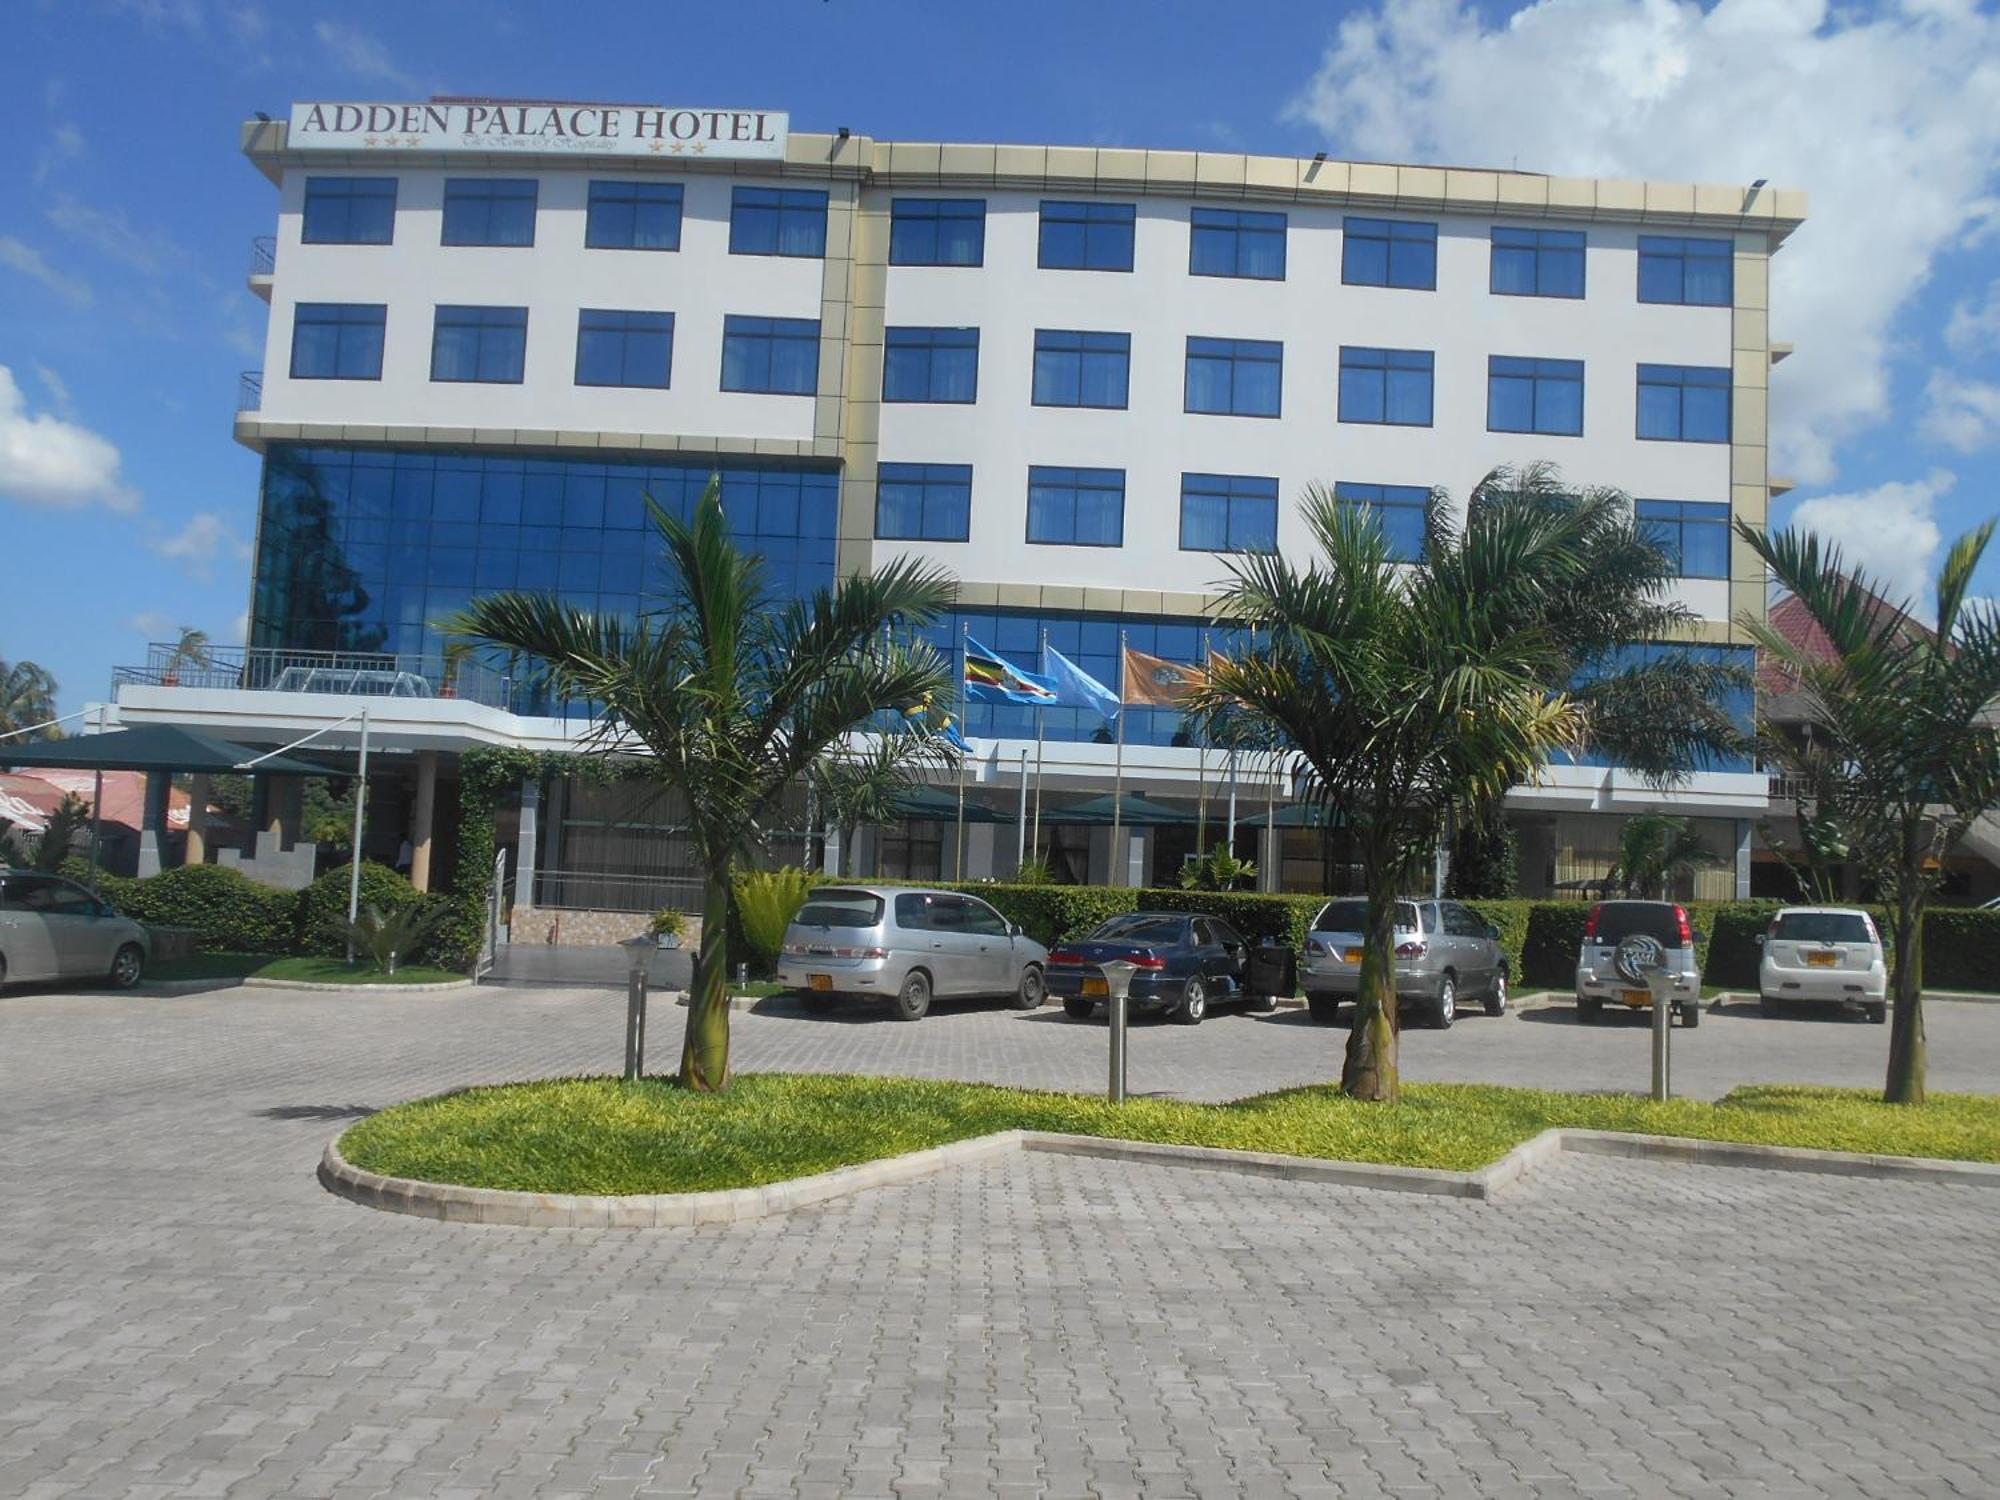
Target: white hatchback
x,y
1827,954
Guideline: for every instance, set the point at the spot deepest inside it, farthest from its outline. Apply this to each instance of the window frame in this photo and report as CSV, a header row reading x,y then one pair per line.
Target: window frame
x,y
307,237
461,188
584,313
1387,365
929,347
1677,247
1238,229
1382,505
927,477
1681,384
1235,357
1568,241
1093,214
380,323
1389,239
1226,489
780,208
1082,353
770,334
676,194
1078,487
438,323
897,216
1675,515
1536,377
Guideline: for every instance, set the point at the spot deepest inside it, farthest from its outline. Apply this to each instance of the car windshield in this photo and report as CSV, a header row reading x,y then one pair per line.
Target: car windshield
x,y
1822,927
837,908
1659,920
1141,930
1352,916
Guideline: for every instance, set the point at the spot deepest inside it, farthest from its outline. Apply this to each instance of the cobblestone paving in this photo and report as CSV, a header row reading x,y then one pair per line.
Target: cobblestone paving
x,y
1039,1326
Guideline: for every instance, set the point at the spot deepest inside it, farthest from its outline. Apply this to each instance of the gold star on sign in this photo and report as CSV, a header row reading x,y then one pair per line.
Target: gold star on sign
x,y
410,140
658,145
679,146
370,140
699,146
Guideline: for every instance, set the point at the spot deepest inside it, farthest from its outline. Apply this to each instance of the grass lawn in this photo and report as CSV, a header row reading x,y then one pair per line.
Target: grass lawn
x,y
208,966
602,1136
335,971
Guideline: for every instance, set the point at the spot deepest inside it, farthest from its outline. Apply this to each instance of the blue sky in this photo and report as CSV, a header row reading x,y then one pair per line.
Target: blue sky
x,y
126,210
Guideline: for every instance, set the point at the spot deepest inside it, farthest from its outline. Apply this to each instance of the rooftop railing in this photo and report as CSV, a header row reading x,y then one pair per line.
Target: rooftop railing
x,y
366,674
264,255
250,390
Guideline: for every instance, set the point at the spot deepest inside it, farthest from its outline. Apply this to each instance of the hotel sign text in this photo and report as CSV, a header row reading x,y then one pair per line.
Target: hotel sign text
x,y
585,129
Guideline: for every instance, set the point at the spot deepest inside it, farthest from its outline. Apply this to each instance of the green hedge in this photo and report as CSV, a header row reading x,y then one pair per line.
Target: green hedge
x,y
226,908
322,905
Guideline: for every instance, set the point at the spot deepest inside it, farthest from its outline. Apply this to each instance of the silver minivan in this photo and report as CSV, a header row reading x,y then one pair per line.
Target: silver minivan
x,y
907,946
51,928
1444,952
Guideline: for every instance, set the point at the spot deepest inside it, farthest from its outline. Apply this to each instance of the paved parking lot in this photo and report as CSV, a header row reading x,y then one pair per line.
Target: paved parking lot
x,y
183,1311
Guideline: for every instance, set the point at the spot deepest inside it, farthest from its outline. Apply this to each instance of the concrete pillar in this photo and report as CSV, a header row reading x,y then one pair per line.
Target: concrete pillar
x,y
153,823
830,852
982,852
1099,863
421,816
283,799
197,839
1138,852
1743,832
525,848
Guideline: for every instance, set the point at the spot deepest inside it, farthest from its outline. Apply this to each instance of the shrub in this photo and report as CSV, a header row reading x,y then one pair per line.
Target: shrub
x,y
764,903
226,908
460,922
1549,947
322,922
1511,917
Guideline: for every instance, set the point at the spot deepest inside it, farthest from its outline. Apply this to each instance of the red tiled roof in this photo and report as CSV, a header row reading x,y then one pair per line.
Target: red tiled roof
x,y
1791,619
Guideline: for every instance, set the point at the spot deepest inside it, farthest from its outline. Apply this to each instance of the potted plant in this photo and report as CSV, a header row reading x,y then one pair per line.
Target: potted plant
x,y
191,648
455,656
668,927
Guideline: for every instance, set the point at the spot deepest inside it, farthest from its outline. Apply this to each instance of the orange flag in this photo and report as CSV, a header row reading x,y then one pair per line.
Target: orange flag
x,y
1155,682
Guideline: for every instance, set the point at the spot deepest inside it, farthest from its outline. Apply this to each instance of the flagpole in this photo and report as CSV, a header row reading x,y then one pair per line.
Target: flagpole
x,y
1038,749
958,863
1118,776
1232,800
1274,848
1021,834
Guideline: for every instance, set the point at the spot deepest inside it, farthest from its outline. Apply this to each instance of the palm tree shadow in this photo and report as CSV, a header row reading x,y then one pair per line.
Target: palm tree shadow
x,y
315,1112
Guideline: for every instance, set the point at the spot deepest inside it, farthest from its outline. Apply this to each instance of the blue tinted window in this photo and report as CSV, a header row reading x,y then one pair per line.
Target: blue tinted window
x,y
1397,508
489,211
485,344
337,340
1236,242
1076,507
1234,377
1534,395
1692,271
634,216
1228,513
1694,533
776,356
624,348
937,232
923,502
930,364
1086,236
777,221
1389,252
1074,368
1390,386
1684,403
1537,262
349,211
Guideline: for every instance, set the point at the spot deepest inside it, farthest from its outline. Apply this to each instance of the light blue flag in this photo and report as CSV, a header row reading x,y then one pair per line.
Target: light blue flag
x,y
1076,688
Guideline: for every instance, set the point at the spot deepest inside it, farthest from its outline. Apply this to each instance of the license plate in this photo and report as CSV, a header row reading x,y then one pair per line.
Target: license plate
x,y
1351,956
820,981
1638,997
1096,987
1822,960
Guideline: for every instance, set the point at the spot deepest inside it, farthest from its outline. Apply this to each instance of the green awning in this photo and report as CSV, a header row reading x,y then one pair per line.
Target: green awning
x,y
1132,810
936,804
152,747
1295,815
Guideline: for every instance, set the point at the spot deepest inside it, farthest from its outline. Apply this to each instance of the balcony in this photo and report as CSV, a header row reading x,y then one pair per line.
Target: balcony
x,y
353,674
250,391
263,264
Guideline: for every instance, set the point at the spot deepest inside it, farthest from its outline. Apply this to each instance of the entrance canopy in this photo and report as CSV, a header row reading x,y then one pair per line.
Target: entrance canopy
x,y
930,804
153,747
1133,810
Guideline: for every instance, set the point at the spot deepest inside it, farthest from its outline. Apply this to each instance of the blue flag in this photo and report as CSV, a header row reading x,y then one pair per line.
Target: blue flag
x,y
1076,688
990,678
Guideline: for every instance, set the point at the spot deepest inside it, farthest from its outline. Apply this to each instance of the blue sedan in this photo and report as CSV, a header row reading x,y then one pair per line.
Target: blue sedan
x,y
1181,964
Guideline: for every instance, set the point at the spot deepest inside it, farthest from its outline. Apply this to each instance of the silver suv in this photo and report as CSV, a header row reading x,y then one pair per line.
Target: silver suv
x,y
1444,952
906,946
1621,941
51,928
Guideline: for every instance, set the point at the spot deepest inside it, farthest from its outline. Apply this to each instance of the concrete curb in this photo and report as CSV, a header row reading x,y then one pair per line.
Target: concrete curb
x,y
171,989
315,987
466,1205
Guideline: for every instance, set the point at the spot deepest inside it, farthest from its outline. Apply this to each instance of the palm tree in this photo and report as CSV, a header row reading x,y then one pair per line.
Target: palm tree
x,y
733,694
1661,716
1907,716
27,698
864,780
1401,692
1654,850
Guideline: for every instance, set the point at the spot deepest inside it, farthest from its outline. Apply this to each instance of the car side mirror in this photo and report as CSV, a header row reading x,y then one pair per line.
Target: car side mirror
x,y
1492,933
1013,929
1760,940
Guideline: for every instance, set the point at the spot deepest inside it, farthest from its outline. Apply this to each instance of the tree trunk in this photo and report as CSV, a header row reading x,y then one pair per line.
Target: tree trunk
x,y
1906,1026
705,1052
1370,1070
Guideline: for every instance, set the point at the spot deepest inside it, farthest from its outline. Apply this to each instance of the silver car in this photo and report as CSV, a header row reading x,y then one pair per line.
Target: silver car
x,y
51,928
907,946
1622,941
1444,952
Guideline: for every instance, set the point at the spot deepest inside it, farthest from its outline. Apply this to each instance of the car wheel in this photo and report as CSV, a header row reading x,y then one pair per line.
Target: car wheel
x,y
1878,1010
1691,1014
914,998
1768,1004
1194,1002
1588,1007
1077,1007
128,967
1323,1008
1030,993
1496,998
1444,1009
1263,1004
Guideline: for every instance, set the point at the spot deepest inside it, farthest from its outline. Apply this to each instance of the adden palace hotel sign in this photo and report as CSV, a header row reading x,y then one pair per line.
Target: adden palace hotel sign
x,y
510,125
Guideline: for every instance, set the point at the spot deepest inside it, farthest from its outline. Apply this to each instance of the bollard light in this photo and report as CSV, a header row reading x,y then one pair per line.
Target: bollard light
x,y
1118,974
1660,980
639,953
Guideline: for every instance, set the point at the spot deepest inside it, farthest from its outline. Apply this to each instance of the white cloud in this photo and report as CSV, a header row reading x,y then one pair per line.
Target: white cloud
x,y
65,145
1890,532
1975,328
58,389
154,626
49,462
205,540
239,631
1890,120
111,234
362,55
29,261
1960,412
